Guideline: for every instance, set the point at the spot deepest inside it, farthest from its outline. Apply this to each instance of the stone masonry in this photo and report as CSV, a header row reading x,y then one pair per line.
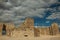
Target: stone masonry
x,y
27,29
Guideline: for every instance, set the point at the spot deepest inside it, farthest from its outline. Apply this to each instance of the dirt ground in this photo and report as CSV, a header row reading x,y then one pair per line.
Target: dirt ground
x,y
30,38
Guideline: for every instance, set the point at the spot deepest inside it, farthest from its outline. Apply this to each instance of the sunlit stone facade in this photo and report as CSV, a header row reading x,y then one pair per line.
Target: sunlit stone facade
x,y
27,29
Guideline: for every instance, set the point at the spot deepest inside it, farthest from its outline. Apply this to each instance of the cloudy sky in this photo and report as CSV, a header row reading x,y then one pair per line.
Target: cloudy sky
x,y
44,12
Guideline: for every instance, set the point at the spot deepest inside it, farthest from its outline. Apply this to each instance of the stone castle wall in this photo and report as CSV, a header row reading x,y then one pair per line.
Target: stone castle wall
x,y
9,28
36,32
44,31
27,29
54,30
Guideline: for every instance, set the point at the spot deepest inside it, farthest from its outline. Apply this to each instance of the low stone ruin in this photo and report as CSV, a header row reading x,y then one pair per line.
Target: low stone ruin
x,y
27,29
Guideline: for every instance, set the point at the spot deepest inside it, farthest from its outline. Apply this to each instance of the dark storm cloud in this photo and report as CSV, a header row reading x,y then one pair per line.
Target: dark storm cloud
x,y
5,6
15,10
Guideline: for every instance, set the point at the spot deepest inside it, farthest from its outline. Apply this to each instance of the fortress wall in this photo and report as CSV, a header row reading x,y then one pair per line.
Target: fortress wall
x,y
27,29
23,33
9,28
36,32
44,31
54,30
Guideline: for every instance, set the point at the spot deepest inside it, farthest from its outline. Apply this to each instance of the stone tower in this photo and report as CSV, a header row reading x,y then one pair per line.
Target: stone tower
x,y
54,30
26,29
28,23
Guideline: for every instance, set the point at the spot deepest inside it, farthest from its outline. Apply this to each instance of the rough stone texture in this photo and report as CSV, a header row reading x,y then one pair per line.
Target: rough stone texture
x,y
29,23
27,29
9,28
23,33
54,30
44,31
36,32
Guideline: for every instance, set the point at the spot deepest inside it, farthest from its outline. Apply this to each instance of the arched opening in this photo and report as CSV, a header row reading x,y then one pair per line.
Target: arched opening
x,y
26,35
4,29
